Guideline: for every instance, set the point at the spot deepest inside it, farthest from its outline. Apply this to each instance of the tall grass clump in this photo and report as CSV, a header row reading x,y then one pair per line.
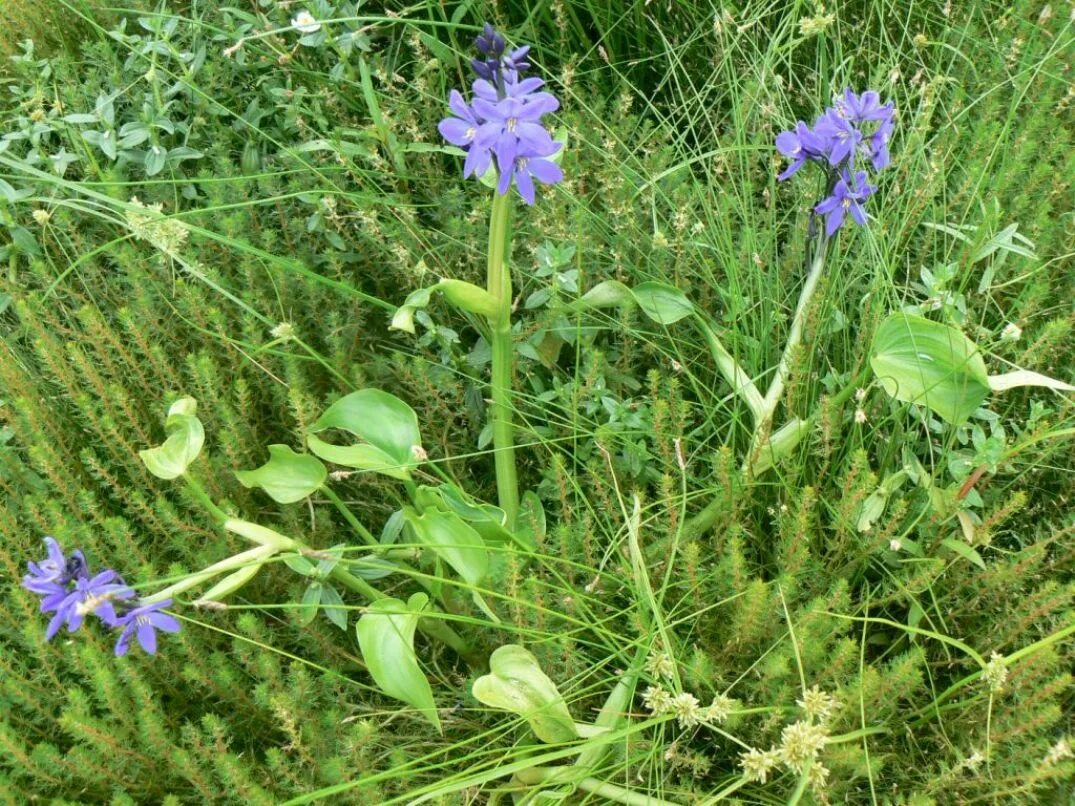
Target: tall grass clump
x,y
650,491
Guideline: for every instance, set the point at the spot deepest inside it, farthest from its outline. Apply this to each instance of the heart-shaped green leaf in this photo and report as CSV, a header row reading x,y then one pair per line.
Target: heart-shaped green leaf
x,y
392,443
386,638
183,444
517,684
287,477
454,541
931,364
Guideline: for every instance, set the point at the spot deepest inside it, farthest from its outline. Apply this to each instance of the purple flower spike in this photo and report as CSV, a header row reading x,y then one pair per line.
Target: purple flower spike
x,y
856,126
846,198
143,622
504,120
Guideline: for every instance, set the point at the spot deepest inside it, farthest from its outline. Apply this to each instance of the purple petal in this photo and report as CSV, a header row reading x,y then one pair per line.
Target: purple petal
x,y
545,171
525,185
858,213
791,169
147,637
162,621
834,220
123,645
788,144
459,106
457,132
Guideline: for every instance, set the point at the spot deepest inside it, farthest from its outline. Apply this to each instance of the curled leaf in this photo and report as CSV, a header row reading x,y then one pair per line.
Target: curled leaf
x,y
517,684
183,444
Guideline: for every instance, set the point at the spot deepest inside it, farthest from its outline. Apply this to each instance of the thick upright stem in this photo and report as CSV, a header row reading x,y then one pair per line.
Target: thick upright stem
x,y
776,386
763,421
499,286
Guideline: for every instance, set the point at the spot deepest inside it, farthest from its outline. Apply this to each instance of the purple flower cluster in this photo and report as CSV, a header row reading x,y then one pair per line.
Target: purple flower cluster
x,y
503,122
856,128
70,593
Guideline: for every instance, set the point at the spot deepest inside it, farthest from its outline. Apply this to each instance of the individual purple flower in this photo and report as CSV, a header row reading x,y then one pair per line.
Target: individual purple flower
x,y
847,197
840,135
143,622
860,108
526,169
800,145
466,131
90,595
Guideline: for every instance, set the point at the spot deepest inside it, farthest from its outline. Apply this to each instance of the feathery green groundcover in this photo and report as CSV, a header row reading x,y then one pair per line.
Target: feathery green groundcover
x,y
198,199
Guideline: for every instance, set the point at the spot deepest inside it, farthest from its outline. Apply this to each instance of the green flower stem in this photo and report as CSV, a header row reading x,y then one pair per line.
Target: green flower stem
x,y
431,627
698,524
203,498
258,554
499,286
776,386
349,516
551,775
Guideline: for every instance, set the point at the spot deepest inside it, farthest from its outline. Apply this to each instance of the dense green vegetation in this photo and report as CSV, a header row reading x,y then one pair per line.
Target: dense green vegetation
x,y
920,572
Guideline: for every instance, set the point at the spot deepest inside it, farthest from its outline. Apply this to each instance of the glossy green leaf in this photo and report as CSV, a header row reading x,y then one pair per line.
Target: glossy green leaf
x,y
287,477
386,638
388,427
486,519
454,541
517,684
663,303
934,365
183,444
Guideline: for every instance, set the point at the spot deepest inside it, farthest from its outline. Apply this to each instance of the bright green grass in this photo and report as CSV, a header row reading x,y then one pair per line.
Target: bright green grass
x,y
671,110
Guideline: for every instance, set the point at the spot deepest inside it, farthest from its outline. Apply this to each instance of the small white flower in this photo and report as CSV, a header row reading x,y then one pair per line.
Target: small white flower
x,y
305,22
1058,752
860,394
284,331
860,416
41,217
895,545
995,673
1011,332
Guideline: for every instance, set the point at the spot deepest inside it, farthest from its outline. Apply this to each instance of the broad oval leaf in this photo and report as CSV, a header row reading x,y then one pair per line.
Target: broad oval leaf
x,y
388,427
934,365
183,444
287,477
517,684
663,303
454,541
386,638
